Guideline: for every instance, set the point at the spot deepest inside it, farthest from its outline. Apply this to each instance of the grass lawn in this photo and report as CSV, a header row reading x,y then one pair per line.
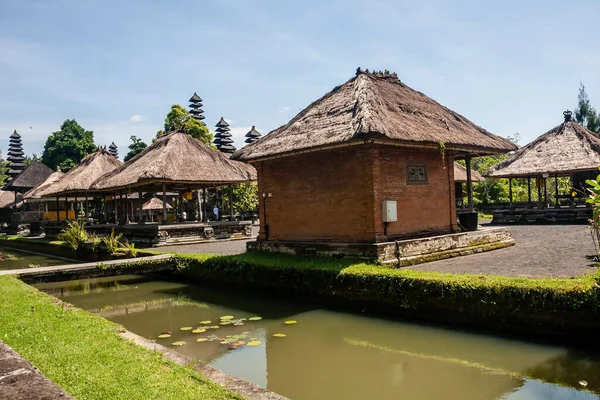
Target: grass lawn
x,y
85,355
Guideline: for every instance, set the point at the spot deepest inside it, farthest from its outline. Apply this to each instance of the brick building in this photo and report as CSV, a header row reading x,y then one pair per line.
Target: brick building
x,y
324,176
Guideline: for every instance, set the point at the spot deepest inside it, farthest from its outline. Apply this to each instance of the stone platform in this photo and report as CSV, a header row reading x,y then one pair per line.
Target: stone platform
x,y
160,235
398,253
580,214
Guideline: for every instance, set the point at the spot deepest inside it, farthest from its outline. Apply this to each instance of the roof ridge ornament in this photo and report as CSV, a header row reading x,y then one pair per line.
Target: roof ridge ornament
x,y
568,116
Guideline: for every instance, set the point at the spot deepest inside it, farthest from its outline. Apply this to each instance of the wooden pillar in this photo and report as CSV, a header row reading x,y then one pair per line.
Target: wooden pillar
x,y
528,192
126,204
66,208
469,184
87,206
164,199
141,202
116,209
539,189
510,196
75,208
556,202
180,205
545,192
57,209
230,203
204,215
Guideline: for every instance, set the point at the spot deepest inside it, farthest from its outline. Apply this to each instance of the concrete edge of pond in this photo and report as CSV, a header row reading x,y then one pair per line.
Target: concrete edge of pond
x,y
19,379
82,267
229,382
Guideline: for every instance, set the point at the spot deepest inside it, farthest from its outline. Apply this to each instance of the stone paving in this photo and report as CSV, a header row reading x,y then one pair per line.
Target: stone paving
x,y
19,380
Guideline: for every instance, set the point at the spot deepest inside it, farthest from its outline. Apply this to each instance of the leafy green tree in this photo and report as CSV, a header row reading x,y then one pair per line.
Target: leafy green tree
x,y
30,159
3,170
179,118
66,147
245,198
585,113
135,147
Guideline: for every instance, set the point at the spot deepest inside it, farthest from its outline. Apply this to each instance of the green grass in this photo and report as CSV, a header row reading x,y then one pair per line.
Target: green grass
x,y
485,216
85,355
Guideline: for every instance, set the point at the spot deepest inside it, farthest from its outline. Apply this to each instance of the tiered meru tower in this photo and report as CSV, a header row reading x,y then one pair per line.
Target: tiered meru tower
x,y
196,107
253,135
113,150
15,157
223,139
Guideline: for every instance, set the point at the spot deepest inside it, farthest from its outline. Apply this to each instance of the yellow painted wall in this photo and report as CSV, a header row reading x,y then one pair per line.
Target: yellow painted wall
x,y
51,215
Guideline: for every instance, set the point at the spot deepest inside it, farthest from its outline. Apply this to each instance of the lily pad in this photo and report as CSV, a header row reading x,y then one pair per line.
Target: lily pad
x,y
214,338
254,318
164,336
224,342
583,383
214,327
186,328
279,335
291,322
178,343
226,317
202,339
199,330
205,322
225,323
238,324
254,343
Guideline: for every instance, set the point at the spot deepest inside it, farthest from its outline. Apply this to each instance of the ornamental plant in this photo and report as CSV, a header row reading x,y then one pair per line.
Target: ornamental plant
x,y
594,200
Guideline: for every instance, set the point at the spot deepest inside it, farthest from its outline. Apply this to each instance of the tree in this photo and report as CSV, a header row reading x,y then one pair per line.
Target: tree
x,y
3,170
66,147
245,198
179,118
30,159
135,147
585,113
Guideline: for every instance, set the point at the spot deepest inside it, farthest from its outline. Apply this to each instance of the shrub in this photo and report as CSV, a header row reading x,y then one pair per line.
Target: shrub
x,y
129,249
75,236
112,242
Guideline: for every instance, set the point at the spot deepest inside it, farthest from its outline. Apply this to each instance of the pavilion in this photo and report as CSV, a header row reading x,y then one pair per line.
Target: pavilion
x,y
77,181
365,166
460,178
567,150
30,177
180,163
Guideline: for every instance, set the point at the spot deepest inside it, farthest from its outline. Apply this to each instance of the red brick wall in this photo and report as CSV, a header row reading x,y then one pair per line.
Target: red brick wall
x,y
422,208
324,195
336,195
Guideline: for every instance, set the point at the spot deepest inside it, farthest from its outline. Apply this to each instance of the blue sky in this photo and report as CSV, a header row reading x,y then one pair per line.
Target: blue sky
x,y
117,66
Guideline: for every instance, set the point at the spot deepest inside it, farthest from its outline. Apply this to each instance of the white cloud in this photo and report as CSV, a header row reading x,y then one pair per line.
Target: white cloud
x,y
283,110
137,118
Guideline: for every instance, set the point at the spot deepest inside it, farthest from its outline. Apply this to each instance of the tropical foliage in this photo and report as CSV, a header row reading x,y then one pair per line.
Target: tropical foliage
x,y
137,146
594,201
179,118
67,146
245,197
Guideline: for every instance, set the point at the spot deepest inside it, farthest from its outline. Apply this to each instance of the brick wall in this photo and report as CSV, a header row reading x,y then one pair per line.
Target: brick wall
x,y
336,195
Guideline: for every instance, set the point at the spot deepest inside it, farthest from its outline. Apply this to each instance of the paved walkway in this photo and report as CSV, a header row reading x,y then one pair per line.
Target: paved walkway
x,y
19,380
539,251
217,247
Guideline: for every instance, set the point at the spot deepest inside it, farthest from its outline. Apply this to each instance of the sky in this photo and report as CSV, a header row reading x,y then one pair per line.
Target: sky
x,y
118,66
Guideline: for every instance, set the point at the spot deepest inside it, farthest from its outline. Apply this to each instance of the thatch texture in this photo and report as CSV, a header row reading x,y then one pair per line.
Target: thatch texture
x,y
34,174
80,178
565,149
177,159
155,204
34,193
380,107
7,199
460,174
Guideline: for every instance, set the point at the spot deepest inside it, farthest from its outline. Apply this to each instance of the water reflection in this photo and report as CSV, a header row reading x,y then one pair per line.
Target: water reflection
x,y
335,355
11,259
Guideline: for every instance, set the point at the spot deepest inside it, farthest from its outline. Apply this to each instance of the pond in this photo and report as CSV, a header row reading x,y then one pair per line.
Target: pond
x,y
330,354
12,259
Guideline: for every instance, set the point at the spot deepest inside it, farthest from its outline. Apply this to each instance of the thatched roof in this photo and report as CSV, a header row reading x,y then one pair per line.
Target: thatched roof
x,y
7,199
460,174
154,204
177,159
567,148
80,178
34,193
34,174
380,107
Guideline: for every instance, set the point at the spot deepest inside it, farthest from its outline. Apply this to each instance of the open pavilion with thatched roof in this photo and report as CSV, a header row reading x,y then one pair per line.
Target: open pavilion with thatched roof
x,y
460,178
567,150
77,181
369,162
179,162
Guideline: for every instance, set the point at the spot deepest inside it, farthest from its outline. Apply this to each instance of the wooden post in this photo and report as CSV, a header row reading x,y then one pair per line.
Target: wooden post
x,y
164,199
66,208
230,203
469,183
204,215
57,209
528,192
87,206
539,188
116,209
141,202
510,196
75,208
545,192
557,204
126,205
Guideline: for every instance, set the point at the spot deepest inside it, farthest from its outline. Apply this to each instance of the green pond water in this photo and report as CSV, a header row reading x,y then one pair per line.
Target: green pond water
x,y
331,354
12,259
